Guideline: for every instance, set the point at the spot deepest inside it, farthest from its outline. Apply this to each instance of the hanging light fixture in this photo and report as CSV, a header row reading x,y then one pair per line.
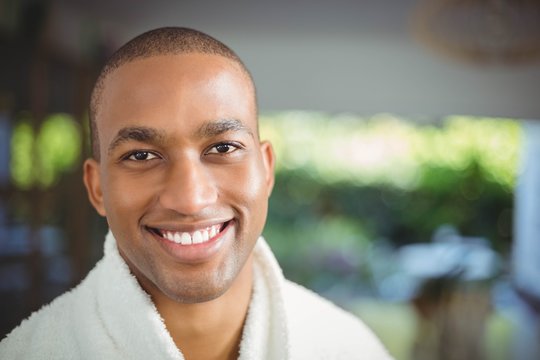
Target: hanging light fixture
x,y
481,31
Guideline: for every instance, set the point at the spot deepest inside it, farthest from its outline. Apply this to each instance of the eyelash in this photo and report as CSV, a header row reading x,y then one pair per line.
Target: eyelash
x,y
235,146
134,153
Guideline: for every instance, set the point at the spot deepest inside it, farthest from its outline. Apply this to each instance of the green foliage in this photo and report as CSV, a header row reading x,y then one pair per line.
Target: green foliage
x,y
387,150
21,155
39,159
343,182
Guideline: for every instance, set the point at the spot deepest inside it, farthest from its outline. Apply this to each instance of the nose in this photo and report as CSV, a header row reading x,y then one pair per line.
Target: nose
x,y
189,187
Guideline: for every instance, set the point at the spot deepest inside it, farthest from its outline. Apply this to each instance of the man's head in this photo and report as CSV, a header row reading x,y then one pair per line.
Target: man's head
x,y
162,41
178,169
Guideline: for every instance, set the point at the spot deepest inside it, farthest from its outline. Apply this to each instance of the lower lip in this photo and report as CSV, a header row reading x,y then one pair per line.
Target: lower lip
x,y
195,253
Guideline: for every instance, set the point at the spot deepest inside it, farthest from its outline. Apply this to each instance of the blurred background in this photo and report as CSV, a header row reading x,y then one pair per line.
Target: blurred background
x,y
407,136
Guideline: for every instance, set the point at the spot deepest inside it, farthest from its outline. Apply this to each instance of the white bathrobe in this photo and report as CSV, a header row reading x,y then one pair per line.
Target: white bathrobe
x,y
109,316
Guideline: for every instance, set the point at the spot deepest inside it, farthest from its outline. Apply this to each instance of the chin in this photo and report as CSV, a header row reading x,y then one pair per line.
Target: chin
x,y
195,293
195,297
200,289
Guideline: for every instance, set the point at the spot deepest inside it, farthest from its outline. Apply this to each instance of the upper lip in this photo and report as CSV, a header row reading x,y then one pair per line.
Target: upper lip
x,y
185,227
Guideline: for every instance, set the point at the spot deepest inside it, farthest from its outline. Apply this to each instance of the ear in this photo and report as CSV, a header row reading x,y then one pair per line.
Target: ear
x,y
268,157
92,182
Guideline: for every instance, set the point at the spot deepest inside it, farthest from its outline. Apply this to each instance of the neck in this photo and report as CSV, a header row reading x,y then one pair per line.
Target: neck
x,y
212,329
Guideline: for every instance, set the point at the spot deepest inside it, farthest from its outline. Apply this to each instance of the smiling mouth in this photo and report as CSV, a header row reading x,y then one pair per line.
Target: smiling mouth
x,y
199,236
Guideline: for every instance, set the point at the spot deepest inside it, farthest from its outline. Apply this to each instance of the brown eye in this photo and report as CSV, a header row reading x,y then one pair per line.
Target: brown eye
x,y
141,156
223,148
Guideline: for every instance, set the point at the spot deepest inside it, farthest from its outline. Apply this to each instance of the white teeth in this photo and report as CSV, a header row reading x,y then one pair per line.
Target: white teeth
x,y
185,239
197,237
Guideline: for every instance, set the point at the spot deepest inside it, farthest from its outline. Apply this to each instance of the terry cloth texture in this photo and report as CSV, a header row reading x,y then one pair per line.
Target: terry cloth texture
x,y
109,316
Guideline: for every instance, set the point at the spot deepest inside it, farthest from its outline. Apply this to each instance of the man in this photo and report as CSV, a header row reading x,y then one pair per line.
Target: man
x,y
183,180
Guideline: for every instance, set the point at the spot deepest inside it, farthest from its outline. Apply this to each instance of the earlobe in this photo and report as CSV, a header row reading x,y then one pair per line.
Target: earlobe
x,y
92,182
267,153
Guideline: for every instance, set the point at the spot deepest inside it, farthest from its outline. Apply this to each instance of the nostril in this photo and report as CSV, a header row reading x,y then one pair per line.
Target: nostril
x,y
188,188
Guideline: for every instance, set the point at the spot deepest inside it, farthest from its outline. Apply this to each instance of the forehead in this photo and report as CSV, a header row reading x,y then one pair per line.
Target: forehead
x,y
173,89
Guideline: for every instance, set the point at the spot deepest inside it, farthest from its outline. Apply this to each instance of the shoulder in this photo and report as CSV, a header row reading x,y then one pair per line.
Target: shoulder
x,y
49,332
320,329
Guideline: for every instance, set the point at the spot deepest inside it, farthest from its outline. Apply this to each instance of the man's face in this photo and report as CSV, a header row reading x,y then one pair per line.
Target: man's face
x,y
183,179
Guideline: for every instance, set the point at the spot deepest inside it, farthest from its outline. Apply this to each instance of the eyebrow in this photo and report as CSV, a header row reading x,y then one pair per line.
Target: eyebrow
x,y
154,136
137,133
218,127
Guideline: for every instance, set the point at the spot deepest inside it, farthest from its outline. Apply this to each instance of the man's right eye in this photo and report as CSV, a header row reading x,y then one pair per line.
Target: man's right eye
x,y
141,156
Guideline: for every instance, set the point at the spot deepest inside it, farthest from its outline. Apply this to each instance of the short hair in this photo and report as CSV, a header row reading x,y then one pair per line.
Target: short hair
x,y
161,41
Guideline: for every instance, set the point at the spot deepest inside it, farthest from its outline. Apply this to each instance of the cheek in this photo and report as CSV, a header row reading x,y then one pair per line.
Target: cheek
x,y
126,196
246,188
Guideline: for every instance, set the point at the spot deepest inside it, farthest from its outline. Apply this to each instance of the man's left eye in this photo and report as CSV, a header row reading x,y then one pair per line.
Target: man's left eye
x,y
223,148
141,156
